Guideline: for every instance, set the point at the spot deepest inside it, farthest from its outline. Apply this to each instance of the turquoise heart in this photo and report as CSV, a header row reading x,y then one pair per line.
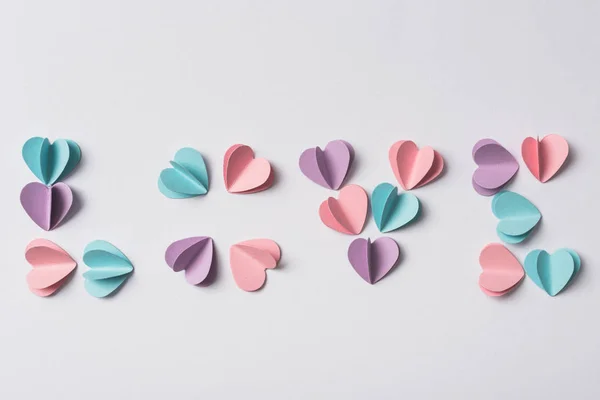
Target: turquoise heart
x,y
518,216
552,273
51,162
109,268
392,210
188,176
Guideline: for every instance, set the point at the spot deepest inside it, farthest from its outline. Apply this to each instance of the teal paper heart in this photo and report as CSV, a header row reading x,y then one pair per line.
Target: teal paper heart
x,y
518,216
188,177
392,210
109,268
552,273
51,162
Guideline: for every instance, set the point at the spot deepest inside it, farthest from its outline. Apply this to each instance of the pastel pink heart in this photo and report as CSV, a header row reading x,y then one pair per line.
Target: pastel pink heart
x,y
545,157
501,270
348,213
245,174
51,267
249,261
412,167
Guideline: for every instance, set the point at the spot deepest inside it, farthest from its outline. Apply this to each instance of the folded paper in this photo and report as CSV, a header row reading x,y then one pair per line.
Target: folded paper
x,y
187,178
193,255
552,272
348,213
496,167
51,267
51,162
372,261
328,167
249,261
412,167
47,206
545,157
245,174
501,271
518,216
392,210
109,268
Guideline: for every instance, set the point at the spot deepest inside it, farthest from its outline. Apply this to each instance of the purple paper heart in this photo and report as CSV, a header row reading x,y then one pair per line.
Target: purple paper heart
x,y
47,206
194,255
328,167
373,261
496,166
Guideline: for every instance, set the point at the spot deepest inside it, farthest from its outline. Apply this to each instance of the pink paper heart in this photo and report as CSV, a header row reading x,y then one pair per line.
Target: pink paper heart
x,y
51,267
348,213
412,167
501,270
245,174
249,261
545,157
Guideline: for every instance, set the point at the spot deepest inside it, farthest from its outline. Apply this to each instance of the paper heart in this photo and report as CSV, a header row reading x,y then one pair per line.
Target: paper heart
x,y
392,210
552,273
194,255
373,261
51,162
501,270
109,268
245,174
249,261
46,206
496,167
412,167
187,178
328,167
545,157
348,213
517,215
51,267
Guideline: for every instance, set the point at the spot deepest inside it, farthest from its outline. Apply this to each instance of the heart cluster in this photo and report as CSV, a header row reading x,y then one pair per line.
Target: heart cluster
x,y
496,166
391,210
518,217
249,260
242,173
48,202
52,266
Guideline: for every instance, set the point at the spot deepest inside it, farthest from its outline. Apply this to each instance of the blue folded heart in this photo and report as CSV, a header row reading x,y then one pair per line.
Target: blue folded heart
x,y
187,178
517,215
392,210
109,268
51,162
552,272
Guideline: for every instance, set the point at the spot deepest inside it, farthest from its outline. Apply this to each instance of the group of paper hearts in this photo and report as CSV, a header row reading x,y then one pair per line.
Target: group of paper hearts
x,y
242,172
518,217
52,267
391,210
48,202
249,260
502,271
109,267
497,166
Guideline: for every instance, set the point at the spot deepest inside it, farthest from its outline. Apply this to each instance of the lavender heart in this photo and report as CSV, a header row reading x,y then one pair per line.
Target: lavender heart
x,y
194,255
373,261
497,166
47,206
328,167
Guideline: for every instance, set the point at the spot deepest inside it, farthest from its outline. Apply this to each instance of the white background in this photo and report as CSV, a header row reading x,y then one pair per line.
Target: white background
x,y
134,81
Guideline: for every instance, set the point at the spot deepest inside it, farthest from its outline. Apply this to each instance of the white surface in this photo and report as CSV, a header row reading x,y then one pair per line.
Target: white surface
x,y
133,81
